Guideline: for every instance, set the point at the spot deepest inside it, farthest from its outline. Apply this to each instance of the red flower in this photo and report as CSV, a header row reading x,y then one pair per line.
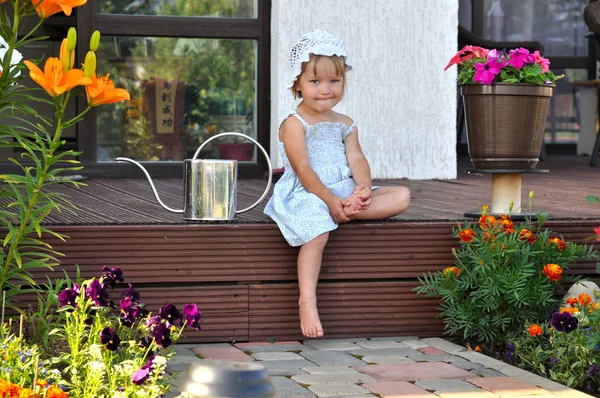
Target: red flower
x,y
596,230
527,235
466,235
584,299
560,244
466,53
450,270
572,301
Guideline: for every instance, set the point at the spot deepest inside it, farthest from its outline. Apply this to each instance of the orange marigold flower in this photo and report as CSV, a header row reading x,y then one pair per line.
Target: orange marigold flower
x,y
569,310
488,237
584,299
560,244
55,392
450,270
553,271
535,330
593,307
47,8
572,301
477,348
527,235
487,222
507,224
103,91
466,235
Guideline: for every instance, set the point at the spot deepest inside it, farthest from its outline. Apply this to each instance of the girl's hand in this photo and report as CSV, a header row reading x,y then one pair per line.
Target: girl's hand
x,y
364,194
336,209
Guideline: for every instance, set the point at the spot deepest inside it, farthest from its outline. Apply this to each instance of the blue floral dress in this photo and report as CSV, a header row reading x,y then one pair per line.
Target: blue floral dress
x,y
301,215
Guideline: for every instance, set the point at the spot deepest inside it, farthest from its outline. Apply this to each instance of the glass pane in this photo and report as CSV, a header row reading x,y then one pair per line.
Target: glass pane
x,y
189,8
183,91
557,24
564,114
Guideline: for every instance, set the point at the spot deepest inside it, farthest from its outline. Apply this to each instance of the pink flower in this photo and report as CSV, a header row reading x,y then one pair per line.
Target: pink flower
x,y
520,57
544,62
470,51
597,232
485,73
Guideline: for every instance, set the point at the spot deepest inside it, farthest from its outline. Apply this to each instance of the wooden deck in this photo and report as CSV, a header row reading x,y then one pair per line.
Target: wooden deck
x,y
242,274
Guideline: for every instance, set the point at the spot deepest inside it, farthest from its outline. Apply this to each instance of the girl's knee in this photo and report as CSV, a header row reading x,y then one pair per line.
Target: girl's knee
x,y
320,240
402,198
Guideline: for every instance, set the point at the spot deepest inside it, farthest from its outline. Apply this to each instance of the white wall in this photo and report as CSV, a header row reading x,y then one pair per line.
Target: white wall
x,y
403,101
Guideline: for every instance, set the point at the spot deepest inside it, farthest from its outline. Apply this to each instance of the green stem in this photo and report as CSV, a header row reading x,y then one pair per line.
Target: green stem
x,y
11,44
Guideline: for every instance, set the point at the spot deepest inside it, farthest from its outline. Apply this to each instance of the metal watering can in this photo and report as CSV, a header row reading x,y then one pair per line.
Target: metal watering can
x,y
210,186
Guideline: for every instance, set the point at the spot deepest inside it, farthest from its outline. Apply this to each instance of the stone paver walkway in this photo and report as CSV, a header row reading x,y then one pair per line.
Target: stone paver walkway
x,y
379,367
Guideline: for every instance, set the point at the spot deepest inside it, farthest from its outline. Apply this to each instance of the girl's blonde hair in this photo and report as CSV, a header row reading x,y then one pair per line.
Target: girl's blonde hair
x,y
338,63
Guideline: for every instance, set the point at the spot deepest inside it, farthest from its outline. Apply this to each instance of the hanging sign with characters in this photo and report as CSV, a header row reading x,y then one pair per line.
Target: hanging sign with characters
x,y
165,107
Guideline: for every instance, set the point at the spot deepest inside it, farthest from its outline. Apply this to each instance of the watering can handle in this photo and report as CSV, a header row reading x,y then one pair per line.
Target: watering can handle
x,y
263,151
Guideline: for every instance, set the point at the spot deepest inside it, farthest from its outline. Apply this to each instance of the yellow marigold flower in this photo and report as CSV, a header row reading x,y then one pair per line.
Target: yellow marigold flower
x,y
535,330
560,244
569,310
487,222
584,299
572,301
454,270
553,271
466,235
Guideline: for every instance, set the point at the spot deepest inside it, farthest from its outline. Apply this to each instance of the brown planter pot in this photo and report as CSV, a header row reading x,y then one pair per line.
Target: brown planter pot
x,y
505,123
241,152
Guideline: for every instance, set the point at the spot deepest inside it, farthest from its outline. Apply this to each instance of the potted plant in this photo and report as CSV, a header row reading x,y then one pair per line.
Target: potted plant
x,y
506,95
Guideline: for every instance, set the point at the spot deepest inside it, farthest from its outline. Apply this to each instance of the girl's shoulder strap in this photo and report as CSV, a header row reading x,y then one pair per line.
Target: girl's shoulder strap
x,y
295,114
349,130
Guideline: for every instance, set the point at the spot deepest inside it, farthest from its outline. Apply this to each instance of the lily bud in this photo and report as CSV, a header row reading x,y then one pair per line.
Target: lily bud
x,y
530,196
95,40
89,66
65,56
510,206
71,39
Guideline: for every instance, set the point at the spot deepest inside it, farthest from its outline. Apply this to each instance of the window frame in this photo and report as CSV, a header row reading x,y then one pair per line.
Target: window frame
x,y
87,20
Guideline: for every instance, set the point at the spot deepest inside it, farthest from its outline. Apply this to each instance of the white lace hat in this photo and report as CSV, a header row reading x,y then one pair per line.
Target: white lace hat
x,y
317,42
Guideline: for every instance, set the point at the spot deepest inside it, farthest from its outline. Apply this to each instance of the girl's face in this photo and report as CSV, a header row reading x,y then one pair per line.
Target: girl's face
x,y
321,84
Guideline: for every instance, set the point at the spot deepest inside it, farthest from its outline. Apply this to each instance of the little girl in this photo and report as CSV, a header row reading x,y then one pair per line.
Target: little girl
x,y
327,179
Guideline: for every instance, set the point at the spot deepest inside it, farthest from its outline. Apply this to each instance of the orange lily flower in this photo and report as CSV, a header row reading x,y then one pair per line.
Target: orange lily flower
x,y
102,91
53,79
46,8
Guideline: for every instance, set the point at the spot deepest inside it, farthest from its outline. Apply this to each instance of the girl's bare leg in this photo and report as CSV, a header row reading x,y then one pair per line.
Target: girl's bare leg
x,y
385,202
309,266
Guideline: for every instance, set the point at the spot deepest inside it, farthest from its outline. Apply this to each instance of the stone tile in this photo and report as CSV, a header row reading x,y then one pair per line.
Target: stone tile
x,y
481,359
183,359
286,368
414,371
381,344
395,338
487,372
444,345
331,345
276,356
318,370
356,396
187,351
434,358
286,388
277,347
331,358
228,353
464,364
471,394
430,350
398,389
378,359
337,390
415,344
508,386
401,352
177,368
355,378
439,386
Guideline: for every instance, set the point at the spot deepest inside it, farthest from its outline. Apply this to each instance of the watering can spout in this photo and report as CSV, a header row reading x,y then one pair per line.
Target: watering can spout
x,y
120,159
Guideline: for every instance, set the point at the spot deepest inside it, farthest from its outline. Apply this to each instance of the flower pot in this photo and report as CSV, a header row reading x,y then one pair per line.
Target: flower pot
x,y
505,123
242,151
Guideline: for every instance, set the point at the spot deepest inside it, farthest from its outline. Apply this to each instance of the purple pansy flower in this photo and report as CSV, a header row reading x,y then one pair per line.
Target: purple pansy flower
x,y
68,296
127,311
485,73
162,335
110,339
97,293
141,375
171,314
564,322
593,370
110,276
192,316
131,292
520,57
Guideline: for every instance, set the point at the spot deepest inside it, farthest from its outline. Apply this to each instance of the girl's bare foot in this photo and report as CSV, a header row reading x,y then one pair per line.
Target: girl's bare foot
x,y
355,205
309,318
